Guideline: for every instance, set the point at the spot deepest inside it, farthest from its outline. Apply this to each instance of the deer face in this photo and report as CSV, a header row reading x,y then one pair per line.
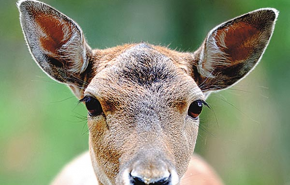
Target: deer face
x,y
143,101
142,119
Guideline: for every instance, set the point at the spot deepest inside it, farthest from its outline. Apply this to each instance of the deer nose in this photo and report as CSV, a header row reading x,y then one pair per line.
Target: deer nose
x,y
149,168
139,180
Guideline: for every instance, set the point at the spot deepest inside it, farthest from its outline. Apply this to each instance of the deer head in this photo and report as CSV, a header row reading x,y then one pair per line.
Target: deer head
x,y
143,100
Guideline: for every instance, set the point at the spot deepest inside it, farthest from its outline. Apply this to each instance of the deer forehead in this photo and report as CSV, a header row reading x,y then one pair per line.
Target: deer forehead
x,y
144,74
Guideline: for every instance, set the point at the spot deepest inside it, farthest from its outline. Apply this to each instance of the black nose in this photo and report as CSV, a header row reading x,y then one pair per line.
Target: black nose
x,y
146,181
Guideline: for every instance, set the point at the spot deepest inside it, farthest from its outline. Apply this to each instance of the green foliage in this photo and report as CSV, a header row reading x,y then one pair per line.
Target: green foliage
x,y
244,135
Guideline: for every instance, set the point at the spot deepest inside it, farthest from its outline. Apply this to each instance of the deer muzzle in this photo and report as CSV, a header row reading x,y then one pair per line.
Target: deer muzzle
x,y
150,169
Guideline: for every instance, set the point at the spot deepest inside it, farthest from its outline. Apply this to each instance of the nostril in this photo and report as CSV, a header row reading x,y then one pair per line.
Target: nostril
x,y
135,180
164,181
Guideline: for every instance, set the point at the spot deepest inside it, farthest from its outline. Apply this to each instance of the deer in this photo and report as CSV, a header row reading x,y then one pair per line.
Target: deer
x,y
143,100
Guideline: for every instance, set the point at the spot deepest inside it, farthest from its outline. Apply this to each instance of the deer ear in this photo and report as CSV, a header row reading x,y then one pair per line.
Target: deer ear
x,y
55,41
232,49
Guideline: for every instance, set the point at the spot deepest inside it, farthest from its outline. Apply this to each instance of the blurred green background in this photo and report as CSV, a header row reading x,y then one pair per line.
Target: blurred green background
x,y
245,135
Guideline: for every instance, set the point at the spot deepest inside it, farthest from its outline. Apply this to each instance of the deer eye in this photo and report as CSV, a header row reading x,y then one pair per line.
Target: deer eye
x,y
93,105
195,108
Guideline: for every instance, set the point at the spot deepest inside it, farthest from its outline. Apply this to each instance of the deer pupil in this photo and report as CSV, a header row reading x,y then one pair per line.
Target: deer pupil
x,y
93,106
195,108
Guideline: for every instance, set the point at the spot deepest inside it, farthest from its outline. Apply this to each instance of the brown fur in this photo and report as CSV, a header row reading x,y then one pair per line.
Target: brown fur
x,y
144,131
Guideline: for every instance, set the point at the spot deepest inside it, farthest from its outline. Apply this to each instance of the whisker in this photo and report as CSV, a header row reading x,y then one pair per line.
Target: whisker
x,y
62,100
236,108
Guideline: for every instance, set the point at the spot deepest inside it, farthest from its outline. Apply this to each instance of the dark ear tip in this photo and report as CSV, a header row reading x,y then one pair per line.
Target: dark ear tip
x,y
274,13
24,4
20,4
271,13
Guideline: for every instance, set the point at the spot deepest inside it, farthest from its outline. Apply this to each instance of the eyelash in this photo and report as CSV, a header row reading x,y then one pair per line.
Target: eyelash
x,y
93,105
195,108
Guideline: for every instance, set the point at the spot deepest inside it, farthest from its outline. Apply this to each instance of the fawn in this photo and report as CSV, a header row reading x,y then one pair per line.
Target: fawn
x,y
143,100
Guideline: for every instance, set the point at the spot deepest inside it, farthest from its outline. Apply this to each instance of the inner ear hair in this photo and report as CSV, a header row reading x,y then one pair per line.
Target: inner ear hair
x,y
232,49
55,41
